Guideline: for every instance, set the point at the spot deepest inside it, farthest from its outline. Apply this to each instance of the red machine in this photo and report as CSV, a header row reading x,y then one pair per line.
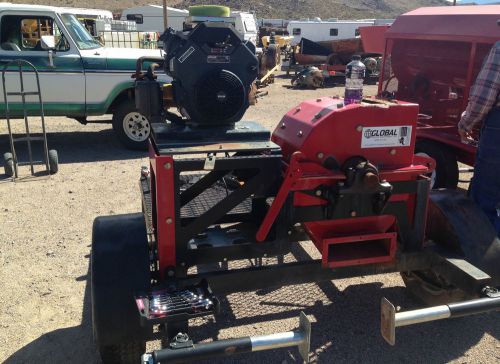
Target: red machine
x,y
221,192
432,58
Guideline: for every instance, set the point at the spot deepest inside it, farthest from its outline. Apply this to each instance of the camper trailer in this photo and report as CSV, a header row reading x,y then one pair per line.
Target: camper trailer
x,y
318,30
149,18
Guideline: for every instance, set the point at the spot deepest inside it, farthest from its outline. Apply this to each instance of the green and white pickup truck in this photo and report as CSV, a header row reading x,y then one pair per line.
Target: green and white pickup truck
x,y
78,77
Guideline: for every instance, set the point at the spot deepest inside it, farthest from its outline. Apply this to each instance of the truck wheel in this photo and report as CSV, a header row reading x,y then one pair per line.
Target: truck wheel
x,y
8,164
119,270
53,161
446,173
458,225
131,127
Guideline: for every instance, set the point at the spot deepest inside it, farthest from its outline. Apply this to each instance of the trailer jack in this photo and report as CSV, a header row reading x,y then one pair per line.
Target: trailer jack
x,y
390,319
183,350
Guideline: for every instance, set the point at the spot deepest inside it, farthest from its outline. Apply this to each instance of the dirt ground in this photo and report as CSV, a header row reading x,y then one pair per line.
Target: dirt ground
x,y
45,236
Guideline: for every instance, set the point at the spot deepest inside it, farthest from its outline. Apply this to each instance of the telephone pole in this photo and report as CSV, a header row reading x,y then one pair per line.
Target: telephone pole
x,y
165,18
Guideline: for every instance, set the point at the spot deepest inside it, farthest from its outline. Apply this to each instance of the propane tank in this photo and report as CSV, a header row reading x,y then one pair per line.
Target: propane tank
x,y
355,74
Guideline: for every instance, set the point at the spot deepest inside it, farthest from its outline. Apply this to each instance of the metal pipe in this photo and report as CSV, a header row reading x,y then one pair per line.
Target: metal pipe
x,y
187,351
390,319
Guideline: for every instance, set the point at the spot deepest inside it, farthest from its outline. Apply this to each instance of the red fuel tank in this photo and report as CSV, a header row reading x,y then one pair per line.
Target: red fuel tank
x,y
381,131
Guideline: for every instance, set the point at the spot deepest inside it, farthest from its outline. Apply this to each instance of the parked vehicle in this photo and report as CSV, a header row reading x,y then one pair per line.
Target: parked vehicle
x,y
432,57
318,30
150,18
79,78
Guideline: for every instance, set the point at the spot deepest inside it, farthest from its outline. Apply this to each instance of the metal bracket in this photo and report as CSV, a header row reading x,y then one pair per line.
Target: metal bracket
x,y
388,321
209,162
305,329
181,341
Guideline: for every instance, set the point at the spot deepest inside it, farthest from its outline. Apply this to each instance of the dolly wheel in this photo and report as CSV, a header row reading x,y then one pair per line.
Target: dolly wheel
x,y
8,164
53,161
126,353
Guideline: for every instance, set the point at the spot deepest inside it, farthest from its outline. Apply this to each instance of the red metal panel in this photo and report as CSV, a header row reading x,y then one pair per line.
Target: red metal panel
x,y
324,127
373,38
456,23
163,167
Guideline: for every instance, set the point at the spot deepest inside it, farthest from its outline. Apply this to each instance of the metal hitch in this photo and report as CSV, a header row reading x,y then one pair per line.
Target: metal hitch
x,y
390,319
183,350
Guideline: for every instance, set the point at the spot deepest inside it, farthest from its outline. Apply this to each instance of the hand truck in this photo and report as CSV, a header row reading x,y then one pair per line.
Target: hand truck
x,y
11,162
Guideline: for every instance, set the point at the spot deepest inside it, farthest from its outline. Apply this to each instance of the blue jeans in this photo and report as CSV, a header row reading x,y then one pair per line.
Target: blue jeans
x,y
485,185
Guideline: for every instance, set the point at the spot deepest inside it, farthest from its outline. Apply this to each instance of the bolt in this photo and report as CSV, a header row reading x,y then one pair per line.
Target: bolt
x,y
169,220
170,273
393,152
225,259
318,193
265,255
341,184
283,126
359,128
353,213
168,165
320,155
183,264
289,232
300,133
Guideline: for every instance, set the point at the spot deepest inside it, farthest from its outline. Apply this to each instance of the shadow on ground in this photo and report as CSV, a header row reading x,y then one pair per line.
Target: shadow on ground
x,y
345,331
75,147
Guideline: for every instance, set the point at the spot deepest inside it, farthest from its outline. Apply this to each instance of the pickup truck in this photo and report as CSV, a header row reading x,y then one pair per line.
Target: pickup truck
x,y
78,77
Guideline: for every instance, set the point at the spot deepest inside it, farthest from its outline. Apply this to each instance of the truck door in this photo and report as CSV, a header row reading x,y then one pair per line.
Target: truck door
x,y
62,83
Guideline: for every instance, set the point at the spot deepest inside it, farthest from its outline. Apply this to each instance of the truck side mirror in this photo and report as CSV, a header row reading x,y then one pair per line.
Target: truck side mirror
x,y
48,42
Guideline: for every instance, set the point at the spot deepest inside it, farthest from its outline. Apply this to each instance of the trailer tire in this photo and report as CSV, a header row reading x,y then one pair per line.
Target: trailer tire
x,y
128,353
119,270
446,173
131,127
8,164
53,161
455,223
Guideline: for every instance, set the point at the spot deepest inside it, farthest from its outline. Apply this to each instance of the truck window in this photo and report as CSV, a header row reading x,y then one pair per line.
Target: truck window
x,y
77,31
138,18
296,31
249,26
22,33
334,32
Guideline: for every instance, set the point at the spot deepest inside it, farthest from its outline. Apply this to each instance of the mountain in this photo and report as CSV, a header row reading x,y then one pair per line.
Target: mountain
x,y
286,9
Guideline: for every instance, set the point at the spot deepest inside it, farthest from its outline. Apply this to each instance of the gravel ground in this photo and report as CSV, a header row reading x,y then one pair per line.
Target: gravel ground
x,y
45,236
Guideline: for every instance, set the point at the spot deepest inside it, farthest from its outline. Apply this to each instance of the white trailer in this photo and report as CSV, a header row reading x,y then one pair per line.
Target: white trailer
x,y
149,18
318,30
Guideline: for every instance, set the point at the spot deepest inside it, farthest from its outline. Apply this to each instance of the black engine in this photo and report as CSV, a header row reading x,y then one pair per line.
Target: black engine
x,y
213,69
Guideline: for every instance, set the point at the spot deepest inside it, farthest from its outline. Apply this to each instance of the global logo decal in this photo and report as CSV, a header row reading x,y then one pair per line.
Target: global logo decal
x,y
370,133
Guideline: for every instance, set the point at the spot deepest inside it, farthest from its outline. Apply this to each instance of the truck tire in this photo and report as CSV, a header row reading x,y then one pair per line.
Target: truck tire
x,y
455,223
8,164
446,173
130,126
119,270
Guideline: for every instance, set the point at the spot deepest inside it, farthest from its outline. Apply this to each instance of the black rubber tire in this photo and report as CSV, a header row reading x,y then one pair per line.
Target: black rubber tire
x,y
121,111
8,164
446,163
53,161
128,353
455,223
119,270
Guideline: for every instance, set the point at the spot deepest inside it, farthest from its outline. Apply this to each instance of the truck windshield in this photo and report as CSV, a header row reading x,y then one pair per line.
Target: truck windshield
x,y
77,31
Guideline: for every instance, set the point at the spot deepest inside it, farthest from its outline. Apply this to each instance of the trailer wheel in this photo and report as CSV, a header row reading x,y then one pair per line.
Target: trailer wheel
x,y
129,353
458,225
53,161
130,126
8,164
446,173
119,270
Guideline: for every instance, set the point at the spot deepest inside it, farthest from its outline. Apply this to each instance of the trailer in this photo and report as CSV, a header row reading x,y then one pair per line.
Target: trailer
x,y
220,192
432,57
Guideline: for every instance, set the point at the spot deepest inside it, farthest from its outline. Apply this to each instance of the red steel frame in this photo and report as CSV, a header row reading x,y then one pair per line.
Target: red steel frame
x,y
474,25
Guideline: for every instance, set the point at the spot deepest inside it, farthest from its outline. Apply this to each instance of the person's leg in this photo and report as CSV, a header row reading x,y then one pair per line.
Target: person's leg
x,y
485,186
